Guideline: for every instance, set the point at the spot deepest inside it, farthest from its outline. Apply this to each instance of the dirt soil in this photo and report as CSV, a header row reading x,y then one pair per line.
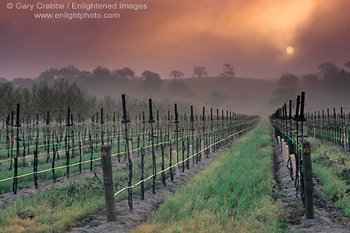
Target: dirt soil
x,y
328,218
142,209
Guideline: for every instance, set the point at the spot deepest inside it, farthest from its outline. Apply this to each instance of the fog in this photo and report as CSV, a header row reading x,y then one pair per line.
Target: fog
x,y
101,87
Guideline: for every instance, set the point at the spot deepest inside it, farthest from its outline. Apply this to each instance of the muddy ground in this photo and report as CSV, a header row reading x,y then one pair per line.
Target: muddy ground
x,y
328,218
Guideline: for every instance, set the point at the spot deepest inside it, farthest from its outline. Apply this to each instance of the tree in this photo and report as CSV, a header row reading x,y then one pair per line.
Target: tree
x,y
26,102
151,80
59,92
9,97
3,80
53,74
101,73
176,74
347,64
309,80
215,99
48,76
199,71
69,72
343,74
125,73
109,105
329,70
228,71
42,97
289,81
24,82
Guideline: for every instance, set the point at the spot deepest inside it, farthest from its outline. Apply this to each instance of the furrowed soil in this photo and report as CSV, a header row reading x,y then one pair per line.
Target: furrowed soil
x,y
328,218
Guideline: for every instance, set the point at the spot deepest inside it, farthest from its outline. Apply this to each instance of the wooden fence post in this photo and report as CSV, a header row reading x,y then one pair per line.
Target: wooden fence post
x,y
106,163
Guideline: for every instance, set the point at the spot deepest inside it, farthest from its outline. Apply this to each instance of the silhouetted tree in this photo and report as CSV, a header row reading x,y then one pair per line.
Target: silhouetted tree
x,y
200,71
9,97
3,80
101,73
86,74
53,74
343,74
289,81
69,72
347,64
176,74
229,71
125,73
48,76
329,71
151,80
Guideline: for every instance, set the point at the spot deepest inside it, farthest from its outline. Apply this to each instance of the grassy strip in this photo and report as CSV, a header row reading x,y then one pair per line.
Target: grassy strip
x,y
57,209
231,195
332,168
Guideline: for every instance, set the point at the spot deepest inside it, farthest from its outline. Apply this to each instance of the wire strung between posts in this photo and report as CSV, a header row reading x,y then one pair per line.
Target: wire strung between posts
x,y
88,161
116,154
174,165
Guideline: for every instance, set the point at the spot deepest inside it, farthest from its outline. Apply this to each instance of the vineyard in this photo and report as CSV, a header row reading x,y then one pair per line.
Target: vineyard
x,y
301,134
145,147
155,147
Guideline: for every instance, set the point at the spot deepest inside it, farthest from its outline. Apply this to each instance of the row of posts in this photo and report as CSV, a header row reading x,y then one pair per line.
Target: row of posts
x,y
107,163
287,128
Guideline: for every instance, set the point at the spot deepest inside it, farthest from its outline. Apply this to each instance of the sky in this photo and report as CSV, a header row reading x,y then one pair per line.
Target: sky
x,y
252,36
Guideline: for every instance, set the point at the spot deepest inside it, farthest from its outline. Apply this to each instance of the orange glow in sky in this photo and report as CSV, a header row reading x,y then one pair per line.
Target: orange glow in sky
x,y
252,36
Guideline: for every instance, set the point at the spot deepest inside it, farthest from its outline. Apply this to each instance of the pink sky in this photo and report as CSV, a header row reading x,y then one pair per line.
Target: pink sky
x,y
179,34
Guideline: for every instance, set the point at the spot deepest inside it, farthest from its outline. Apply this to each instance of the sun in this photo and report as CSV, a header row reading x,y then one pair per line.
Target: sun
x,y
289,50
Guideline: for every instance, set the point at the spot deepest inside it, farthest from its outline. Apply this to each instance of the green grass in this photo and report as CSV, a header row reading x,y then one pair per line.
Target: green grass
x,y
329,165
58,208
52,210
232,194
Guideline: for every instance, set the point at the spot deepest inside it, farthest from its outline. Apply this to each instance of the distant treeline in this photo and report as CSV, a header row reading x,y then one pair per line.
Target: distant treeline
x,y
85,92
42,97
329,86
60,95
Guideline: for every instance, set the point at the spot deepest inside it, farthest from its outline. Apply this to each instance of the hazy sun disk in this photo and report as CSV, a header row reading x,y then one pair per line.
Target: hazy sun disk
x,y
289,50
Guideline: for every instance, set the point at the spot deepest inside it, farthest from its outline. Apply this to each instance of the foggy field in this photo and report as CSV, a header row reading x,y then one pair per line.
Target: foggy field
x,y
231,195
175,116
61,124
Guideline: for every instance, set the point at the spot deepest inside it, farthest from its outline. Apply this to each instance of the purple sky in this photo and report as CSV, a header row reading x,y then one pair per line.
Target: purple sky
x,y
169,35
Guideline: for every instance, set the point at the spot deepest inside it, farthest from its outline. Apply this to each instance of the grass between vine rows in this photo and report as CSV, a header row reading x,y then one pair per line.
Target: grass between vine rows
x,y
57,209
232,194
332,168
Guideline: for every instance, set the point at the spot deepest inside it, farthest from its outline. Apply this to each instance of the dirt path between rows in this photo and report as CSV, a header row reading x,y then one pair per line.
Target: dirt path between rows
x,y
328,218
142,209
